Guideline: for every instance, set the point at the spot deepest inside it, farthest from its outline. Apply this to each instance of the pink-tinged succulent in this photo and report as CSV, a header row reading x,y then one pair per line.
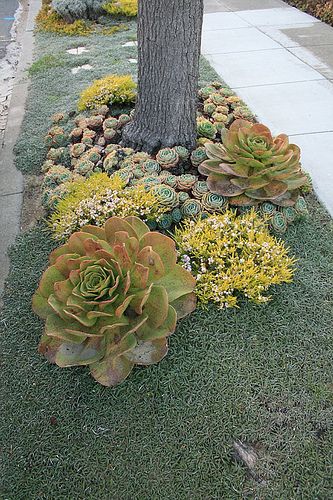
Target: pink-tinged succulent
x,y
111,297
252,166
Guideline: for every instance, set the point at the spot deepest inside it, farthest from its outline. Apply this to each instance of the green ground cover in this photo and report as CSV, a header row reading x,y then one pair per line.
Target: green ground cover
x,y
260,374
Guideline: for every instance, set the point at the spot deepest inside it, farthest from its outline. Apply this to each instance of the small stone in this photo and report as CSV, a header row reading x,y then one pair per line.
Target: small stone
x,y
133,61
85,67
130,44
77,51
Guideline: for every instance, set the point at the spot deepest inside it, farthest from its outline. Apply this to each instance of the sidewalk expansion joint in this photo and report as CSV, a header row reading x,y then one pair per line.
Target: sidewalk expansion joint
x,y
11,194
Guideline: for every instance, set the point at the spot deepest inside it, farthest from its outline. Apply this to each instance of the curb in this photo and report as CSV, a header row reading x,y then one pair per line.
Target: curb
x,y
11,180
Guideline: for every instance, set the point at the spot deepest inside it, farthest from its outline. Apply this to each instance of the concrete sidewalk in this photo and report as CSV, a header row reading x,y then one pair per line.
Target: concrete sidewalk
x,y
280,61
11,180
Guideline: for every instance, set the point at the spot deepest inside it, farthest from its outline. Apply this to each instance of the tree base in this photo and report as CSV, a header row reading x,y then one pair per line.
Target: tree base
x,y
140,139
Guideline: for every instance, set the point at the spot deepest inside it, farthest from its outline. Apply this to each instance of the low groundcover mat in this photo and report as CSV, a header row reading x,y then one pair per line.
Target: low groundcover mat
x,y
240,407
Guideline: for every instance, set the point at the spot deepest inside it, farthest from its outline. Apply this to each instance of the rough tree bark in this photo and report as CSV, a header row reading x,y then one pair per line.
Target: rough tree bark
x,y
169,39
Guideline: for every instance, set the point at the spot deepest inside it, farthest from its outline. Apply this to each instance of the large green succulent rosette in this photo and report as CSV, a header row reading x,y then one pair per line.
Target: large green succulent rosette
x,y
111,297
253,165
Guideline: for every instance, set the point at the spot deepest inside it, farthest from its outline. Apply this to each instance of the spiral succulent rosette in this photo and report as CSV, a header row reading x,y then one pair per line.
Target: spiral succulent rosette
x,y
279,222
198,156
209,107
138,173
205,92
290,214
148,181
165,195
212,202
165,221
151,166
111,298
110,123
56,175
169,179
167,158
253,165
268,209
84,167
76,134
243,113
182,197
176,215
191,208
205,128
182,152
56,137
77,150
95,122
301,207
123,119
110,134
199,189
110,161
185,182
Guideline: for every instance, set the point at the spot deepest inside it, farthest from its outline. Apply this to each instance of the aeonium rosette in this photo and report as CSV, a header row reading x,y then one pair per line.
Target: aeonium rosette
x,y
111,297
253,166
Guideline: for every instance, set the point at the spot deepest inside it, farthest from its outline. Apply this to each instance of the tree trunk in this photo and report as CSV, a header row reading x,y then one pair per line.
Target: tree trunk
x,y
169,39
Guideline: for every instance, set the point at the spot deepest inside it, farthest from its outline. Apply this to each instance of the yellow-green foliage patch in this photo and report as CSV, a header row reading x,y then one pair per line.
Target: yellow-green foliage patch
x,y
231,255
128,8
112,89
94,200
48,20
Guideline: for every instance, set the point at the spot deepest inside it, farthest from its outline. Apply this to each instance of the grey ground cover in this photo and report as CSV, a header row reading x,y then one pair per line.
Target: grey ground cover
x,y
260,374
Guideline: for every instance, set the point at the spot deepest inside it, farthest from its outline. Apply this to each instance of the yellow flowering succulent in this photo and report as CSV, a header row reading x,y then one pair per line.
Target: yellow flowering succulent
x,y
231,255
128,8
112,89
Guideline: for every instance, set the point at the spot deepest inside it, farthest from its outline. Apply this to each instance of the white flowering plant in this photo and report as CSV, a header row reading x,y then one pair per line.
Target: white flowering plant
x,y
96,199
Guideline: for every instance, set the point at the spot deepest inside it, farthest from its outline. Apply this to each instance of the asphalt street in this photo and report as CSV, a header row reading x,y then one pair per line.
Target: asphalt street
x,y
7,11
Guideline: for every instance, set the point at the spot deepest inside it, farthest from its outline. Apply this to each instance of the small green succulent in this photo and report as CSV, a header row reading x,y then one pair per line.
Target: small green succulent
x,y
191,208
167,158
56,137
205,128
198,156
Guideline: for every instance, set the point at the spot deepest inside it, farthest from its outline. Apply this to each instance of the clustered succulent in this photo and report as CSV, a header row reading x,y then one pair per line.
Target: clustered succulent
x,y
111,298
220,155
113,292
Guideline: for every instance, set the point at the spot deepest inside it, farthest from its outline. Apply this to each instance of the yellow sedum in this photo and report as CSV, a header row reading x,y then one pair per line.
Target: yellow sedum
x,y
112,89
231,255
128,8
94,200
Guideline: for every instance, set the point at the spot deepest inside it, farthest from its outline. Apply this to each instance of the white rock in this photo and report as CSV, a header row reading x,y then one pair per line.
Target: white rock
x,y
78,68
133,61
77,51
130,44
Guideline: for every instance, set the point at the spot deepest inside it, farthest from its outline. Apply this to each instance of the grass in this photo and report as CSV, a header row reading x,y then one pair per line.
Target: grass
x,y
261,374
